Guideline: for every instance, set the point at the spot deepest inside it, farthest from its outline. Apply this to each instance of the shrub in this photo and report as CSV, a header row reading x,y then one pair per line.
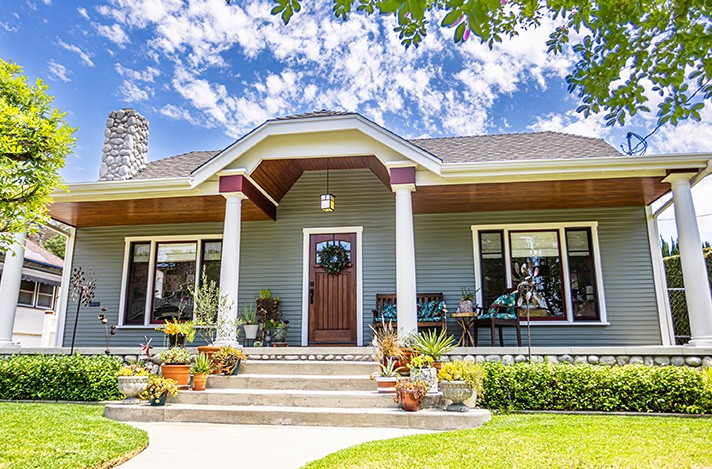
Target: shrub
x,y
59,377
635,388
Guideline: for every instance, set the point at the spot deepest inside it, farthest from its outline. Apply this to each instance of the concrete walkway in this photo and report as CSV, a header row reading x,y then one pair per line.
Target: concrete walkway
x,y
194,445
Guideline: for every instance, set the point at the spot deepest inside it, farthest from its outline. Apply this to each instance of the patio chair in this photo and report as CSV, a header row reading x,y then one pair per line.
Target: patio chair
x,y
502,313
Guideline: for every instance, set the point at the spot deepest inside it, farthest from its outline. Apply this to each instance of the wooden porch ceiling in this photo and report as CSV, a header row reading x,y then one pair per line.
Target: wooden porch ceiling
x,y
278,176
589,193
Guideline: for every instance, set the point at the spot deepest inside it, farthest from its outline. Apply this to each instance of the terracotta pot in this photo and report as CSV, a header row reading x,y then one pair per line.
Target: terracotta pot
x,y
404,361
199,382
386,384
410,403
209,350
179,373
437,365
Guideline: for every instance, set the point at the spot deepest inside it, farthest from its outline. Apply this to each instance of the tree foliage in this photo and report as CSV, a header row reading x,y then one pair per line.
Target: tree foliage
x,y
57,245
626,49
34,141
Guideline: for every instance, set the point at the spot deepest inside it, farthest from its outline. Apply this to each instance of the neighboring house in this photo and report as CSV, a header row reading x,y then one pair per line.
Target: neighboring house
x,y
35,317
422,215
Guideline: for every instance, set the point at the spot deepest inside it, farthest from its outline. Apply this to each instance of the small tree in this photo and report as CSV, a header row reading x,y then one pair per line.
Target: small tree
x,y
209,309
57,244
34,142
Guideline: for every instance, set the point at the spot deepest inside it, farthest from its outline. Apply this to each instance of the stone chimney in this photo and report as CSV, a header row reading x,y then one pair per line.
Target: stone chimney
x,y
125,145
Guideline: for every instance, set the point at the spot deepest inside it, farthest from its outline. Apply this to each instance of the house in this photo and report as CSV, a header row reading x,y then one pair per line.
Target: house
x,y
421,215
35,316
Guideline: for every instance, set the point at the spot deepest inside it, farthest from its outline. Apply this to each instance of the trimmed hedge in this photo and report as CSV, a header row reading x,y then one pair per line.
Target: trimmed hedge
x,y
59,377
562,386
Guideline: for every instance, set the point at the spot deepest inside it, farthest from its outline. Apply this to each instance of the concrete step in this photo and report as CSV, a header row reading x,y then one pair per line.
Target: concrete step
x,y
437,420
321,368
277,398
292,382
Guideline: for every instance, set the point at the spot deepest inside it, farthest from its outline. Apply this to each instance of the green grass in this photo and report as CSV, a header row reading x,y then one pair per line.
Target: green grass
x,y
64,436
543,441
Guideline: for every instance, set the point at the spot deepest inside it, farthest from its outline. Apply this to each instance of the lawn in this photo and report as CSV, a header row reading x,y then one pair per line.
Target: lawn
x,y
64,436
543,441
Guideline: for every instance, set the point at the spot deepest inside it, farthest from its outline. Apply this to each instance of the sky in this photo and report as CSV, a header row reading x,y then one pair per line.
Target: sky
x,y
204,73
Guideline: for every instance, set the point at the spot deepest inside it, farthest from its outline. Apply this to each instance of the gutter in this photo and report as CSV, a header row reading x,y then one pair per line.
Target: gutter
x,y
693,181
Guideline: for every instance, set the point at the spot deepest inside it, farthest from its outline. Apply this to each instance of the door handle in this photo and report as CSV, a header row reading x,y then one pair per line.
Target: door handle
x,y
311,293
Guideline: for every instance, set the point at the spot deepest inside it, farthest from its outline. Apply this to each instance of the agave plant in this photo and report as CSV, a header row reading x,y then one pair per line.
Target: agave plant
x,y
433,344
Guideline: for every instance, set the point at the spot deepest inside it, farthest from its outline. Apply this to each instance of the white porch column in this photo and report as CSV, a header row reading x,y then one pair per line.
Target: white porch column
x,y
230,264
10,288
694,271
405,260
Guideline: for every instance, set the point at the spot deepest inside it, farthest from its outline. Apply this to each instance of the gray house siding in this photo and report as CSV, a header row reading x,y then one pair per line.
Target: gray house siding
x,y
271,256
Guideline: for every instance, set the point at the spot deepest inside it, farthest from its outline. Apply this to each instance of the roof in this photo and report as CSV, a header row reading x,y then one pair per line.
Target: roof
x,y
36,253
468,149
517,146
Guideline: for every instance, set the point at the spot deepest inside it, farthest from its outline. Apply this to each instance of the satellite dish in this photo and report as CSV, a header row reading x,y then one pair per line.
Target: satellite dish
x,y
637,146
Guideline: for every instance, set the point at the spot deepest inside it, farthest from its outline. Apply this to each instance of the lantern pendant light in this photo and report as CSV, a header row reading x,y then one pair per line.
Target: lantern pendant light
x,y
328,199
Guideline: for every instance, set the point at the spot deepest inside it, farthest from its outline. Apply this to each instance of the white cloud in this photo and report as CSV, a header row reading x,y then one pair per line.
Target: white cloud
x,y
86,58
47,2
571,122
176,113
83,13
57,71
131,93
689,136
149,74
7,27
114,33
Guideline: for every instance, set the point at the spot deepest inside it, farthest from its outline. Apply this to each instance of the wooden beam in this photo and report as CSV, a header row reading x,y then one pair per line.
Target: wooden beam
x,y
239,183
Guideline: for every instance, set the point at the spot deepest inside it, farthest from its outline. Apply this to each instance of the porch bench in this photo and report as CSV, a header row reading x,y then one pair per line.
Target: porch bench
x,y
431,310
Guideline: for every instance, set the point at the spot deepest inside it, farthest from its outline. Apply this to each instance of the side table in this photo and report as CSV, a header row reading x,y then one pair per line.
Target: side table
x,y
465,321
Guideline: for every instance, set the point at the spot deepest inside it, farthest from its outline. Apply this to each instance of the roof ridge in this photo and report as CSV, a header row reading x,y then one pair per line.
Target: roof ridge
x,y
536,132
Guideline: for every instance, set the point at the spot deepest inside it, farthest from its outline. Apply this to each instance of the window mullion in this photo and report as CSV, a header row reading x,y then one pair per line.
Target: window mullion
x,y
151,286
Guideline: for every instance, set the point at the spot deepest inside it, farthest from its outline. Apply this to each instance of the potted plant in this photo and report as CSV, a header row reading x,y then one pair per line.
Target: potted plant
x,y
386,378
385,343
467,297
158,389
209,308
267,305
277,330
178,332
175,364
410,393
229,360
249,319
421,367
202,367
433,345
132,380
458,381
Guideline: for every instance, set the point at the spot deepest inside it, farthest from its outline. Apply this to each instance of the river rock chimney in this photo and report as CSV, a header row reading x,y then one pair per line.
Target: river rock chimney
x,y
125,145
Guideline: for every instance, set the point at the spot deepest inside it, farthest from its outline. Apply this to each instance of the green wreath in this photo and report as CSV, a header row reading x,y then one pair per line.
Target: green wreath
x,y
334,259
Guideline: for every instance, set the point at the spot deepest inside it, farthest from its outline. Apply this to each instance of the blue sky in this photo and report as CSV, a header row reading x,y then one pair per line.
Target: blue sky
x,y
204,73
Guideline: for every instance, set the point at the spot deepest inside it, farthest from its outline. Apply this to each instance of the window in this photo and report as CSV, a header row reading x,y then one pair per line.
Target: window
x,y
36,295
560,259
161,274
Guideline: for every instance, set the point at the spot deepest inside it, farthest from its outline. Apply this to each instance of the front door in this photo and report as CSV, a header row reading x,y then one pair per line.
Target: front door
x,y
332,296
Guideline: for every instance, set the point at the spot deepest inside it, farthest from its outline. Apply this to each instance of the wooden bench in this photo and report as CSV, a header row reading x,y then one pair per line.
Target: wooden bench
x,y
385,299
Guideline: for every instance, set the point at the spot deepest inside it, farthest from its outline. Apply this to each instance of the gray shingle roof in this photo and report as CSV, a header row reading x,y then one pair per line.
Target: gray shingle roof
x,y
176,166
321,113
512,147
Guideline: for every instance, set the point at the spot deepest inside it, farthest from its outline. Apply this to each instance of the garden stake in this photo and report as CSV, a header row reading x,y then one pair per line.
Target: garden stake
x,y
83,286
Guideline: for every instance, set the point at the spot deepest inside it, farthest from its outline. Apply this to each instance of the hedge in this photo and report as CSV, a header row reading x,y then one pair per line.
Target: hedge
x,y
59,377
563,386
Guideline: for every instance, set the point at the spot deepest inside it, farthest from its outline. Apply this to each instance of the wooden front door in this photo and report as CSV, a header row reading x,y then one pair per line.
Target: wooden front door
x,y
332,297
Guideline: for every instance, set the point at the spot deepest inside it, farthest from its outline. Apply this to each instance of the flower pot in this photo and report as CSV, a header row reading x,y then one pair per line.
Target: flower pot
x,y
457,392
280,334
179,373
251,331
410,403
209,350
234,371
199,381
437,365
177,340
386,384
131,387
428,374
404,361
157,401
465,306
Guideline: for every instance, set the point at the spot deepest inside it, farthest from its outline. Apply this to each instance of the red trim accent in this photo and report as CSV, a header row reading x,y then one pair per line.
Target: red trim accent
x,y
403,175
239,183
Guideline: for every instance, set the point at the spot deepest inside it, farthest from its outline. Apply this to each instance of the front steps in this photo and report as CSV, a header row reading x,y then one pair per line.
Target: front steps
x,y
281,392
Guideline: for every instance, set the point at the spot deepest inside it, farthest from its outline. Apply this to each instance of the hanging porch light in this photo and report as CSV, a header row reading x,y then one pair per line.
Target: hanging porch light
x,y
328,199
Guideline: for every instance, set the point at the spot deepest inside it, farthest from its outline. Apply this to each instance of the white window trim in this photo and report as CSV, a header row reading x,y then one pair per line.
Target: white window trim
x,y
561,227
359,278
151,270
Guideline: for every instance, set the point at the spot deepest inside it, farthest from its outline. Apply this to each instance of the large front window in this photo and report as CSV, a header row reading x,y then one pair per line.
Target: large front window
x,y
559,260
160,276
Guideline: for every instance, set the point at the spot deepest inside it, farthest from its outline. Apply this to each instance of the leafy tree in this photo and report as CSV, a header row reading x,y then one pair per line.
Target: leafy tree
x,y
34,141
623,46
56,245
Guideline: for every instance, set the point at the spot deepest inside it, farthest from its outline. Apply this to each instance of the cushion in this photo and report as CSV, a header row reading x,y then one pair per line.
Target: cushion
x,y
431,311
509,300
389,312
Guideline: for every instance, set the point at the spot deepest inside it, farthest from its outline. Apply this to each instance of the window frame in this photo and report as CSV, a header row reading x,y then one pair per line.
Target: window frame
x,y
154,241
35,297
566,279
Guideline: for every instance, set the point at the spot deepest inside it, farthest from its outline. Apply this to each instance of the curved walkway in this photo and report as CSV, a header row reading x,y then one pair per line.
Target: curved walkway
x,y
191,445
